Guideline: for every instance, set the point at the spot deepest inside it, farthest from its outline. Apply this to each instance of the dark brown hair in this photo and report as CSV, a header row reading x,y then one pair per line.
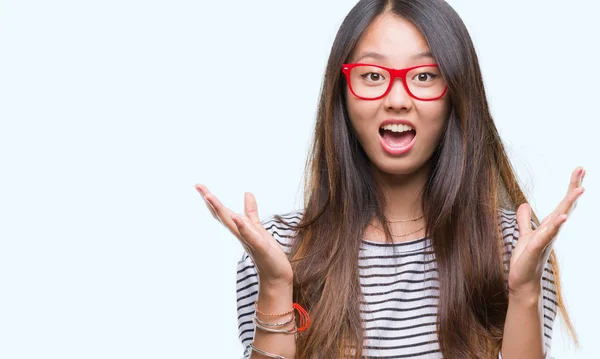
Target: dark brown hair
x,y
471,177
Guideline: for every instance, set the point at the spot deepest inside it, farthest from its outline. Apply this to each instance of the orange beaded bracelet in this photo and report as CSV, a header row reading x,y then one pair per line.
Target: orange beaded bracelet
x,y
304,317
271,315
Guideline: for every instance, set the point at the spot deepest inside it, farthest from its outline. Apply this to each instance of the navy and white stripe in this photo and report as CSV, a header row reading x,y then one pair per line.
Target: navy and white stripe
x,y
401,291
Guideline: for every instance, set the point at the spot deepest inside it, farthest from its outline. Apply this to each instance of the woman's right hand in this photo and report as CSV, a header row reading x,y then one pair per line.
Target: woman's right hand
x,y
272,264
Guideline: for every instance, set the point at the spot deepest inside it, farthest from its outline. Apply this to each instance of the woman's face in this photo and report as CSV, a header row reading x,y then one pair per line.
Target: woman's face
x,y
397,41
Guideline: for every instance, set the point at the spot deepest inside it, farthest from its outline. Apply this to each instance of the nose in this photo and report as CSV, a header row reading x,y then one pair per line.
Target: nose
x,y
398,97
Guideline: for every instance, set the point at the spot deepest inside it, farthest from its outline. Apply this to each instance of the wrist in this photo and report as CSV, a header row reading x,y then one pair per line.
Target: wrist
x,y
275,299
527,298
269,290
272,284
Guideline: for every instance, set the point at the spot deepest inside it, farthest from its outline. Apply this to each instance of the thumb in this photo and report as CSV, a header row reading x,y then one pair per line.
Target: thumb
x,y
524,219
251,208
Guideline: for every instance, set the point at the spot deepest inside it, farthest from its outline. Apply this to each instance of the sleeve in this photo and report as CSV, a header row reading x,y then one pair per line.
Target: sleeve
x,y
247,292
510,235
247,279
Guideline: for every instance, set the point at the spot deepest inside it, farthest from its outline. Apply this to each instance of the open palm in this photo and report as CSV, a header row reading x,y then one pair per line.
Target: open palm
x,y
272,264
535,245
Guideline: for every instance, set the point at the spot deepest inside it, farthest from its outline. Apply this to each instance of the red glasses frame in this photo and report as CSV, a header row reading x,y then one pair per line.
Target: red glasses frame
x,y
394,73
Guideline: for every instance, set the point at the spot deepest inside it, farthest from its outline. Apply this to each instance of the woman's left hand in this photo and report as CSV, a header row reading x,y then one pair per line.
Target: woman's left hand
x,y
535,245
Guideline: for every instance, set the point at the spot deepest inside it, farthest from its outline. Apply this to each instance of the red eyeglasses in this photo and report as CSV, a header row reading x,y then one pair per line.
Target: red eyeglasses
x,y
372,82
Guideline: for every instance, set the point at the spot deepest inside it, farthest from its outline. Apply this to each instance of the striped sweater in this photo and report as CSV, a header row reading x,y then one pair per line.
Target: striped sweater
x,y
400,286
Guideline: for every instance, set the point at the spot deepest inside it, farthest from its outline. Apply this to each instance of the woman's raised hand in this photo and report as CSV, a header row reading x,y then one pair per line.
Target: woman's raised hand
x,y
271,262
535,245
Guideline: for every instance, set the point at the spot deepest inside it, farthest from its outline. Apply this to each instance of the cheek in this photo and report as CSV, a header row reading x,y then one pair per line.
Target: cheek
x,y
433,118
362,114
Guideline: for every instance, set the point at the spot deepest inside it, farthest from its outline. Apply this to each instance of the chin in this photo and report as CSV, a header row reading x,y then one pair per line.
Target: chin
x,y
398,166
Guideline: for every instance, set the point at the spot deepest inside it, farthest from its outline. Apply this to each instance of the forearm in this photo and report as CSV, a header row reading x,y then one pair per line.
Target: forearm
x,y
523,329
274,301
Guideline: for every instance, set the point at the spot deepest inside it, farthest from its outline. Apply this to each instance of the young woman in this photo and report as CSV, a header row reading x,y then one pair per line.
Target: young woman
x,y
415,240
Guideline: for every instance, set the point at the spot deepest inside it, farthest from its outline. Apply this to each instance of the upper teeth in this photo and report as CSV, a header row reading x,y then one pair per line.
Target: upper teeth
x,y
397,128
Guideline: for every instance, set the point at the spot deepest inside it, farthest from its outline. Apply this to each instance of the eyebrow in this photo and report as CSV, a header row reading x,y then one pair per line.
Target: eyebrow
x,y
379,56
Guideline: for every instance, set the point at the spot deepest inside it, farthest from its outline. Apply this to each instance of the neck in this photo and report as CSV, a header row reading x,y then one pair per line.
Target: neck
x,y
403,193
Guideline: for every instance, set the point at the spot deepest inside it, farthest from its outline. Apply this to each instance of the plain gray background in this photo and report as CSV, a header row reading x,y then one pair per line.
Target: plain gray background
x,y
111,111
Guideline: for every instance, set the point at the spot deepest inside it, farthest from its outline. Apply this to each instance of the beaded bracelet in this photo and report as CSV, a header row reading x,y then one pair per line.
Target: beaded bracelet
x,y
304,317
304,322
271,315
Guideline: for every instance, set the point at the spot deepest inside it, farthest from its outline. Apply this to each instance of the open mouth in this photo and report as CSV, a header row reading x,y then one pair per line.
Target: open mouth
x,y
397,135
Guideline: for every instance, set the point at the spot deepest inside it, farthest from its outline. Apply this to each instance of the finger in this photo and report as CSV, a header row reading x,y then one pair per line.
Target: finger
x,y
524,219
201,188
549,218
566,205
212,210
580,183
546,234
574,191
583,172
575,179
223,213
203,191
248,233
251,208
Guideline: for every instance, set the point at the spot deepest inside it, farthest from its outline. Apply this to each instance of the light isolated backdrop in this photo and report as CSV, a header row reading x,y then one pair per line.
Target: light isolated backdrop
x,y
112,110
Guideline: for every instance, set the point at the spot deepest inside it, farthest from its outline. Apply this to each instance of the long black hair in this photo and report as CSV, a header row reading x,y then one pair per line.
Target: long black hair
x,y
471,178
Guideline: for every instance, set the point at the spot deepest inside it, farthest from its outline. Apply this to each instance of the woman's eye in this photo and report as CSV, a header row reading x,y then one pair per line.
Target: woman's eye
x,y
422,77
373,76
